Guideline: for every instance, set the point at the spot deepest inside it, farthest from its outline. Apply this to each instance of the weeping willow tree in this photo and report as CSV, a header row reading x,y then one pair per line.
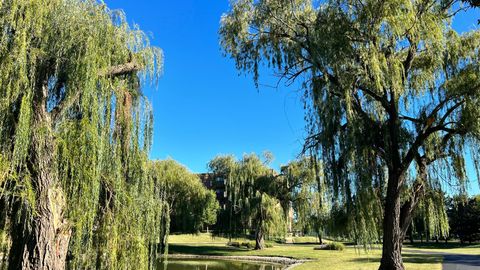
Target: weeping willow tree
x,y
304,188
252,201
191,206
75,130
223,167
392,92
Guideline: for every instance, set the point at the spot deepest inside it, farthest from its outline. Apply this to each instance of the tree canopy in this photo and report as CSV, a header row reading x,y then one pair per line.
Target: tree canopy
x,y
75,130
252,202
464,218
391,91
191,205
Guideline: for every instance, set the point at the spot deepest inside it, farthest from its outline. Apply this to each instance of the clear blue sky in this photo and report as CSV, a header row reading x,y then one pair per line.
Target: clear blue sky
x,y
203,106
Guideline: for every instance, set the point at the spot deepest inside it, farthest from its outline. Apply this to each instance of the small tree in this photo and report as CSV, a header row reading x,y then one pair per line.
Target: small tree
x,y
267,217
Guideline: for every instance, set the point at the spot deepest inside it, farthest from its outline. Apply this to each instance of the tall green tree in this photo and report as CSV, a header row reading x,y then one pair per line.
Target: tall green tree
x,y
223,167
303,187
191,205
75,130
260,210
464,218
252,202
391,90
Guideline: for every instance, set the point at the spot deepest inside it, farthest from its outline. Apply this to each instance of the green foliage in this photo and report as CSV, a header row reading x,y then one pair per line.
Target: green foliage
x,y
388,86
268,214
58,90
303,186
334,246
464,218
252,199
191,205
248,245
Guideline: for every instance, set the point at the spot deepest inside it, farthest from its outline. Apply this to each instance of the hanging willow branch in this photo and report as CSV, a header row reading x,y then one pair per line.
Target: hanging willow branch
x,y
71,77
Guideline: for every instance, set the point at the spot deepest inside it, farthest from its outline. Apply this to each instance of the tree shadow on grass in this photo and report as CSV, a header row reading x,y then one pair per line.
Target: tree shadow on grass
x,y
407,258
204,250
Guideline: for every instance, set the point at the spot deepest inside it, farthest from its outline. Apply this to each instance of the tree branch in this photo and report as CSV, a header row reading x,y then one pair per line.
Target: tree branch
x,y
122,69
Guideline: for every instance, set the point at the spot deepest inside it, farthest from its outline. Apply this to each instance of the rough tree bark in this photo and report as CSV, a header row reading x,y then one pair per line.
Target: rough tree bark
x,y
259,235
259,239
46,242
392,234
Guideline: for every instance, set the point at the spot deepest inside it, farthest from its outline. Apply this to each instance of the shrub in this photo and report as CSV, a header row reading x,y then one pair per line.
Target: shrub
x,y
334,246
233,244
331,246
248,245
281,240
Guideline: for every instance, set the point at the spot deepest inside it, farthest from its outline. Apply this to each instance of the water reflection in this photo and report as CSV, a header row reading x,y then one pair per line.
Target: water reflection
x,y
195,264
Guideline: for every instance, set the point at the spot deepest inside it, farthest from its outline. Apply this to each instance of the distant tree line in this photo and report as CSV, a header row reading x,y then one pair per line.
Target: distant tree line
x,y
300,202
463,215
464,218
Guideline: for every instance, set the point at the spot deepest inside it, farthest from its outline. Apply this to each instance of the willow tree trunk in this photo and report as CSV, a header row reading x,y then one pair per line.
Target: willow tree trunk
x,y
46,243
392,233
319,236
259,239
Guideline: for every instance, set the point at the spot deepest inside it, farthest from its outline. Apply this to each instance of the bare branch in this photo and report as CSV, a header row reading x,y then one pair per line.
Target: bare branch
x,y
122,69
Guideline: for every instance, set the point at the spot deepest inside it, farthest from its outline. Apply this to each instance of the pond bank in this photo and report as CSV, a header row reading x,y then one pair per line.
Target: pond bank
x,y
289,262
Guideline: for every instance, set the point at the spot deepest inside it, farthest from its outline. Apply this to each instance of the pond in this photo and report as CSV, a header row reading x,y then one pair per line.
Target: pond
x,y
198,264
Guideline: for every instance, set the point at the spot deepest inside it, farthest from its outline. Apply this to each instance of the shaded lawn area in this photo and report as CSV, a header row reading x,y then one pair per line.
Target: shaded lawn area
x,y
349,259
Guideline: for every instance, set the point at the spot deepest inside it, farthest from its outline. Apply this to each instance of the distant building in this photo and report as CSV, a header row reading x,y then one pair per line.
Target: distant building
x,y
217,184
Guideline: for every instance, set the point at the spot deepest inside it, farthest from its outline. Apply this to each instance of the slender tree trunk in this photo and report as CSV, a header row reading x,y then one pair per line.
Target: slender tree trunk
x,y
259,237
411,236
319,235
392,233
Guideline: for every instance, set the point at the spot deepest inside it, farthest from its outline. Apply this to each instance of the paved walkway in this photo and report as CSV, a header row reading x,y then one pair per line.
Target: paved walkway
x,y
461,262
454,261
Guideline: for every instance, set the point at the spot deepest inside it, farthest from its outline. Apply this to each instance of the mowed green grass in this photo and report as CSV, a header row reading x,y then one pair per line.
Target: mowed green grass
x,y
450,247
349,259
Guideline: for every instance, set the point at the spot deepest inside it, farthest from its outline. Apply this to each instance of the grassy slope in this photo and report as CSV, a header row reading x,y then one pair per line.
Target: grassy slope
x,y
349,259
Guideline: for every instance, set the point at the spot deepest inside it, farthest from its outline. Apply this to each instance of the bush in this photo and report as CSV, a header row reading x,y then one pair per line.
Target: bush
x,y
248,245
333,246
233,244
281,240
268,245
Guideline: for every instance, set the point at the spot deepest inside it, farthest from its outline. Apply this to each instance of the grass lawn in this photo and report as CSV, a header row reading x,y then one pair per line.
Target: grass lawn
x,y
349,259
450,247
